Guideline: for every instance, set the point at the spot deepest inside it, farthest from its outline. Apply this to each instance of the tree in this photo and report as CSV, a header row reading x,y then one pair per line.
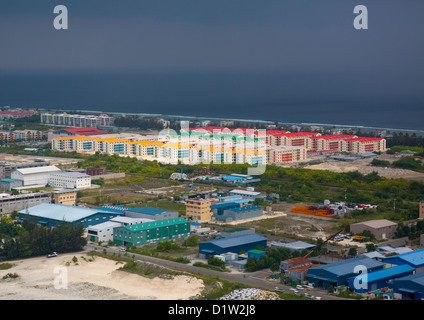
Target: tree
x,y
191,241
275,267
352,252
370,247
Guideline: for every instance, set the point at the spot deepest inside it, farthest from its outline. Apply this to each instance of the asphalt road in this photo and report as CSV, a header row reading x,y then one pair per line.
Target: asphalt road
x,y
254,279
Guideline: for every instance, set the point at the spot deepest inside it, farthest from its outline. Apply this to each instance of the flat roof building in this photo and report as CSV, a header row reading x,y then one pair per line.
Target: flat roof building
x,y
246,194
10,203
337,273
151,213
379,279
198,209
381,229
151,232
65,196
411,287
49,215
232,244
70,180
414,259
293,246
37,176
234,211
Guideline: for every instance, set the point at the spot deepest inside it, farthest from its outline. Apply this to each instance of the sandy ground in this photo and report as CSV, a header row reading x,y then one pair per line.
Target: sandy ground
x,y
41,279
363,166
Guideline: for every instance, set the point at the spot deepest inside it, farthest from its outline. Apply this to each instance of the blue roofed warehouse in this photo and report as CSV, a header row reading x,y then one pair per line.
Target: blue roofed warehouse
x,y
337,273
232,244
379,279
411,287
49,215
414,259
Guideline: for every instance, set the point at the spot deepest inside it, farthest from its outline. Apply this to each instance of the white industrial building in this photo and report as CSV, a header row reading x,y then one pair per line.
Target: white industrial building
x,y
38,176
248,194
70,180
104,231
127,221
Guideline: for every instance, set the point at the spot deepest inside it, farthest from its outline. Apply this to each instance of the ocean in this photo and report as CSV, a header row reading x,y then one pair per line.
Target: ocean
x,y
269,96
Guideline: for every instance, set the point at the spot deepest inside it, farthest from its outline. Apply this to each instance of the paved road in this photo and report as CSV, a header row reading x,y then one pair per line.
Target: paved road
x,y
254,279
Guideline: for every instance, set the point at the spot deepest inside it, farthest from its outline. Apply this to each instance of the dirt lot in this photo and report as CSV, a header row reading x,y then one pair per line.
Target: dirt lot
x,y
99,279
364,167
134,189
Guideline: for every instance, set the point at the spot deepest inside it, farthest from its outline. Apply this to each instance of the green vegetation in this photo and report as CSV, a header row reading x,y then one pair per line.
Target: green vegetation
x,y
271,260
174,251
139,123
408,163
6,265
413,232
380,163
348,294
33,240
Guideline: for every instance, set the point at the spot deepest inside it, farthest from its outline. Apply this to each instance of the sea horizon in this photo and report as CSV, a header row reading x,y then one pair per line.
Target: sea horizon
x,y
245,96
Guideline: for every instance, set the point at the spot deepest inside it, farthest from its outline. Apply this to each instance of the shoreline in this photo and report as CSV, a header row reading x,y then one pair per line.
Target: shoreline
x,y
189,117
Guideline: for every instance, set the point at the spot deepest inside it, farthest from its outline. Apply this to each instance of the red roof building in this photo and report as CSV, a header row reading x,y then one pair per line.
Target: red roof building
x,y
87,131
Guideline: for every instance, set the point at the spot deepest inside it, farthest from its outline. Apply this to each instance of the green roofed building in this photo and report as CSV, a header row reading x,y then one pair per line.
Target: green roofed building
x,y
151,232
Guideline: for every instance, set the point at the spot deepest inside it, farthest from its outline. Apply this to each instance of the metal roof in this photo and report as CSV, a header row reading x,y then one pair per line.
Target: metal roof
x,y
386,273
149,210
237,240
380,223
73,174
38,169
245,192
347,266
225,205
104,225
297,245
116,209
156,224
415,258
417,278
61,212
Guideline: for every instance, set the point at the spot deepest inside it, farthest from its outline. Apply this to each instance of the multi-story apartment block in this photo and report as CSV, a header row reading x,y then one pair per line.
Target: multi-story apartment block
x,y
17,135
286,154
76,120
198,209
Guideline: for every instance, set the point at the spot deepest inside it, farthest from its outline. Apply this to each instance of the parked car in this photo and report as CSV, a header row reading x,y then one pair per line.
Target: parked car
x,y
122,249
51,255
318,298
299,287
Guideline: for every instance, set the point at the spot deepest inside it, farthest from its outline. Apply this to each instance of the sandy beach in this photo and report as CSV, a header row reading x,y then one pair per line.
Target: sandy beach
x,y
41,278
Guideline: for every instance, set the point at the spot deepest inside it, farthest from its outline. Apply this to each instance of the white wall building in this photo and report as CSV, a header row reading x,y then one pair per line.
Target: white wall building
x,y
102,231
38,176
248,194
70,180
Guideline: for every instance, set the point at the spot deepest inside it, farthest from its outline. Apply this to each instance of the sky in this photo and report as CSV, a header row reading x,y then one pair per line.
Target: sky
x,y
301,35
302,51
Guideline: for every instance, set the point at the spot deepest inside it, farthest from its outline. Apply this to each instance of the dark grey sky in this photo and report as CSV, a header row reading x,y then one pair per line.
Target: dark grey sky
x,y
291,59
295,35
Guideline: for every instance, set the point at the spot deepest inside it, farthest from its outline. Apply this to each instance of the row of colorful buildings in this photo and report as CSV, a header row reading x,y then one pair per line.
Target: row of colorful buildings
x,y
17,135
219,145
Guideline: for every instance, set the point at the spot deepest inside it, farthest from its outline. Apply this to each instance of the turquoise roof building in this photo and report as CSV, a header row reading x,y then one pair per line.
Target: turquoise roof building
x,y
151,232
